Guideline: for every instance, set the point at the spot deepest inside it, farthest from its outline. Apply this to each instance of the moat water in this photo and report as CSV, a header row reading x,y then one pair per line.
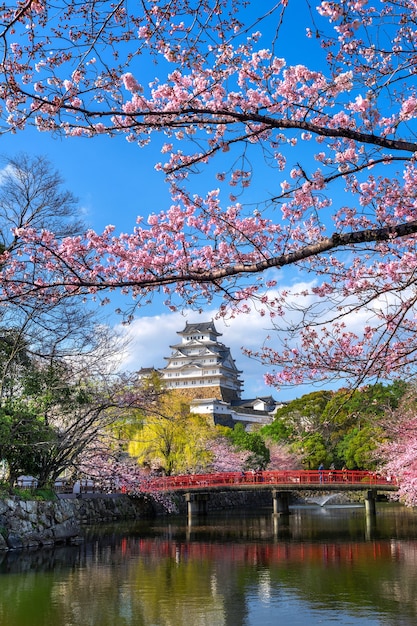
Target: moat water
x,y
322,566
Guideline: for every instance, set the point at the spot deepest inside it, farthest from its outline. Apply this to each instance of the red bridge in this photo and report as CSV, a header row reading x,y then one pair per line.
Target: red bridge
x,y
198,487
284,480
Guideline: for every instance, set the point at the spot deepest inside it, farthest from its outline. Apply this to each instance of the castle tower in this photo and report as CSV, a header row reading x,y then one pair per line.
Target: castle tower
x,y
201,364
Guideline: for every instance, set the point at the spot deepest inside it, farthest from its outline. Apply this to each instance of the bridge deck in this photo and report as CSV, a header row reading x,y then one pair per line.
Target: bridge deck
x,y
285,480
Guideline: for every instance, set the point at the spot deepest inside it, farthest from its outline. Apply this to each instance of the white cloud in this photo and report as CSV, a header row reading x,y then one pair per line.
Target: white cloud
x,y
5,172
151,338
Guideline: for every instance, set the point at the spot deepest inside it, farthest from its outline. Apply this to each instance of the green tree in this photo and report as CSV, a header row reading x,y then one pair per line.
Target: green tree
x,y
171,438
304,414
24,437
63,416
361,406
326,426
279,430
313,451
350,413
253,442
301,424
82,411
358,449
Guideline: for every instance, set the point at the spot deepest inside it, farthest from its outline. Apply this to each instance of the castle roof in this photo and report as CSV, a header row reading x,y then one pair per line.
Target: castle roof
x,y
199,327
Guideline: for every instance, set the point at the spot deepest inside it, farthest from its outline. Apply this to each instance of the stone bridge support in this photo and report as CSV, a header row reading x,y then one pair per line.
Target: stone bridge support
x,y
370,503
196,503
281,502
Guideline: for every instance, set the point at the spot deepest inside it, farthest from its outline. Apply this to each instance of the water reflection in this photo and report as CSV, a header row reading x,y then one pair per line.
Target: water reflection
x,y
319,566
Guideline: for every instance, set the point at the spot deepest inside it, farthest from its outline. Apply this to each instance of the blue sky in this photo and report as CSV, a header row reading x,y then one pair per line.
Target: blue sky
x,y
115,181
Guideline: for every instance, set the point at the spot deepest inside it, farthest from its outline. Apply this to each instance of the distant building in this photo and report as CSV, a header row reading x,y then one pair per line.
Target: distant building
x,y
203,367
226,414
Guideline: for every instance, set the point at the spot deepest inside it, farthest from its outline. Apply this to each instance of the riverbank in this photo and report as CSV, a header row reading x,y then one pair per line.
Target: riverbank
x,y
31,524
37,523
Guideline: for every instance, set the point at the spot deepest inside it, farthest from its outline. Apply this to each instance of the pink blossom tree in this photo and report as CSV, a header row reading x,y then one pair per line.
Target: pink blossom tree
x,y
313,161
225,456
110,472
282,458
400,449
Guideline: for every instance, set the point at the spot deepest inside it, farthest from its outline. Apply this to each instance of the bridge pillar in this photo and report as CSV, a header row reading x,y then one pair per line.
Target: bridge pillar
x,y
196,503
281,500
370,527
370,503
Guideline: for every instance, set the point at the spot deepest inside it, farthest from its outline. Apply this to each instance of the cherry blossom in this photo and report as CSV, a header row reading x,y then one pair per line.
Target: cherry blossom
x,y
334,138
400,450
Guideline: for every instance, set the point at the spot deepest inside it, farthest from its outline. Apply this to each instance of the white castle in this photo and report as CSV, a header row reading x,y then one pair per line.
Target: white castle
x,y
201,364
200,360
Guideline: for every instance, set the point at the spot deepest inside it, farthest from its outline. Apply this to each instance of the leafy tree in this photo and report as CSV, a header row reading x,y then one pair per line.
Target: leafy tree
x,y
349,414
259,456
363,405
279,430
23,438
171,438
82,411
345,424
357,450
313,451
62,412
299,416
300,424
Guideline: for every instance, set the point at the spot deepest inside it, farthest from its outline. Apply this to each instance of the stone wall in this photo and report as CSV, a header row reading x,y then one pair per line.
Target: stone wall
x,y
228,500
212,391
245,500
31,524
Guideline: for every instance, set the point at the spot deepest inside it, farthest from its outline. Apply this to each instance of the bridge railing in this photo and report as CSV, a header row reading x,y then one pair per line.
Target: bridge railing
x,y
278,477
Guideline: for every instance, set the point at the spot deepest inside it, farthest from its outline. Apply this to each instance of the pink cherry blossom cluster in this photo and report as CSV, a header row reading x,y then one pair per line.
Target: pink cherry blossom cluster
x,y
121,475
400,452
225,457
335,144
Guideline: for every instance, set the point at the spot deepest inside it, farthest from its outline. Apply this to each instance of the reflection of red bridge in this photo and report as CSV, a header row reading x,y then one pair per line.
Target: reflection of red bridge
x,y
282,480
270,553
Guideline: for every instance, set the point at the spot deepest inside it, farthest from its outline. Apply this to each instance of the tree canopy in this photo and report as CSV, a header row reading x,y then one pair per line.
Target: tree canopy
x,y
349,428
171,439
399,450
306,161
